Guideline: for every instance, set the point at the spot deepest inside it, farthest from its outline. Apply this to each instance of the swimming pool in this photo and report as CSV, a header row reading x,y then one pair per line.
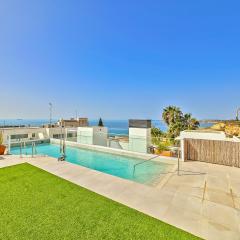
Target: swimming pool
x,y
116,165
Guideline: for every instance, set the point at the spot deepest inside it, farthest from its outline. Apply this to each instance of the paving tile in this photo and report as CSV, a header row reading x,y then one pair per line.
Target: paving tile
x,y
217,183
187,220
214,231
220,197
235,185
221,215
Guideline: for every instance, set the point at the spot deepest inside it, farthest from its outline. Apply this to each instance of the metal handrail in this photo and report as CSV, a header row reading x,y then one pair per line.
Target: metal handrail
x,y
32,149
20,150
135,165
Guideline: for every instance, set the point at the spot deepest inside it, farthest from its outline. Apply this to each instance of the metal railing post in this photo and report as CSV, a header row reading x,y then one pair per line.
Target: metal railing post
x,y
20,149
9,144
32,150
35,149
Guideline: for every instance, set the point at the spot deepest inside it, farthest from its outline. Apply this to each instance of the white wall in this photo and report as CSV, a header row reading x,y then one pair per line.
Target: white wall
x,y
139,139
40,133
100,136
92,135
85,135
203,135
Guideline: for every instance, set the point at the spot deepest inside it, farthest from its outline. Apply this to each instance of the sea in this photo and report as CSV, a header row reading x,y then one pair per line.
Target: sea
x,y
116,127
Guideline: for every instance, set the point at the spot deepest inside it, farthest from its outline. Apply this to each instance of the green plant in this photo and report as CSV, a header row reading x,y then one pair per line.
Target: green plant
x,y
156,132
157,135
1,138
162,146
177,121
190,122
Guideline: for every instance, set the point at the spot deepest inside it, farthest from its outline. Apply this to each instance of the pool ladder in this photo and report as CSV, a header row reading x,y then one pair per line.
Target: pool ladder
x,y
23,145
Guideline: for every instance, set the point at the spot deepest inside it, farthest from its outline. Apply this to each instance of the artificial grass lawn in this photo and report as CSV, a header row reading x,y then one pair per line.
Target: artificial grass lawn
x,y
37,205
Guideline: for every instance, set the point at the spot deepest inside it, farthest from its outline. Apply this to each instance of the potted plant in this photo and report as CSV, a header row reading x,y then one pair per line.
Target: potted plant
x,y
2,147
163,149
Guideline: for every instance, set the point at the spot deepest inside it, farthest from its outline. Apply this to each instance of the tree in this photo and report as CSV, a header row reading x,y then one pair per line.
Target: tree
x,y
175,129
100,123
190,122
157,135
171,114
177,121
156,132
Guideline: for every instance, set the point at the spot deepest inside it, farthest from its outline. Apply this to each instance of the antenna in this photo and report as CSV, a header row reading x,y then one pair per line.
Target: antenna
x,y
50,114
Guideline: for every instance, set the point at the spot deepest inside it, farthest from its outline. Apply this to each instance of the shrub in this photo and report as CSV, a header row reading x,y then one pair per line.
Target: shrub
x,y
1,138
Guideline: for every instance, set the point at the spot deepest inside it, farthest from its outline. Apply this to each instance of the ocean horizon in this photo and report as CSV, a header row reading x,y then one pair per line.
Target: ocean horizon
x,y
116,127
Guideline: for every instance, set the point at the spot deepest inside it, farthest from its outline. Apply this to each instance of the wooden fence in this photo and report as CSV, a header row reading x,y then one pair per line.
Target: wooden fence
x,y
212,151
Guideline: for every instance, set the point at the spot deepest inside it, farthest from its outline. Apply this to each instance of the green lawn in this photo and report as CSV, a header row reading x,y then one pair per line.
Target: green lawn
x,y
37,205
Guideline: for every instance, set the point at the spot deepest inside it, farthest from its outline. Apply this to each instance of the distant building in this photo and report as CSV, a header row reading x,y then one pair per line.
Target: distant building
x,y
73,123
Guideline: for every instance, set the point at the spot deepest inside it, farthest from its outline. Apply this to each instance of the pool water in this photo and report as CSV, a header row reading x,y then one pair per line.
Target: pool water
x,y
113,164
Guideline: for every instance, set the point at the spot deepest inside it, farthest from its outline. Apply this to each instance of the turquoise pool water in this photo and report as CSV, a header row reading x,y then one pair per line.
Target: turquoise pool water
x,y
116,165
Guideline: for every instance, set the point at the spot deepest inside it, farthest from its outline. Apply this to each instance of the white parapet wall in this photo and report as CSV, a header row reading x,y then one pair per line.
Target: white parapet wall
x,y
30,133
119,152
208,135
85,135
139,139
93,135
100,136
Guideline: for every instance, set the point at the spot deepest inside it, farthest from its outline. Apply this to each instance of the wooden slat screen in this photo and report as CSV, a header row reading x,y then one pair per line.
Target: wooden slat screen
x,y
212,151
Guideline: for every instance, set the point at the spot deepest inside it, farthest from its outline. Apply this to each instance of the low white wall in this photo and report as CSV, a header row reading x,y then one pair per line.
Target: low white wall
x,y
203,135
40,133
105,149
85,135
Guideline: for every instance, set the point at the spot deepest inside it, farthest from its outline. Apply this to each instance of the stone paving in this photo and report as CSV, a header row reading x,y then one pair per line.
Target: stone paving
x,y
203,200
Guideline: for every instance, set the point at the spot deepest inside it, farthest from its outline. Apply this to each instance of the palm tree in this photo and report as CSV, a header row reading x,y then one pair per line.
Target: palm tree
x,y
177,121
190,122
175,129
171,114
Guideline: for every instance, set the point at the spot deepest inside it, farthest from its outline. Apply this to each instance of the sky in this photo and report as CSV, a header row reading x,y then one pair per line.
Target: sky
x,y
119,59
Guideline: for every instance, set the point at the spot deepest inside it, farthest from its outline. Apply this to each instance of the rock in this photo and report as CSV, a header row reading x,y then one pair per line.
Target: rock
x,y
231,128
219,126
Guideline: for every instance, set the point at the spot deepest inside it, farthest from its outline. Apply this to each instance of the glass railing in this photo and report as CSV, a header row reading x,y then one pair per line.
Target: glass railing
x,y
153,145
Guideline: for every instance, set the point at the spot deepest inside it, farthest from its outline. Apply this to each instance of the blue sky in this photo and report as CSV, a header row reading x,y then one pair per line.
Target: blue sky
x,y
119,59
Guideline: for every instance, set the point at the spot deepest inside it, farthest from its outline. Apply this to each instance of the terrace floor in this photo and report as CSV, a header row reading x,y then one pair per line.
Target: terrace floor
x,y
204,200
